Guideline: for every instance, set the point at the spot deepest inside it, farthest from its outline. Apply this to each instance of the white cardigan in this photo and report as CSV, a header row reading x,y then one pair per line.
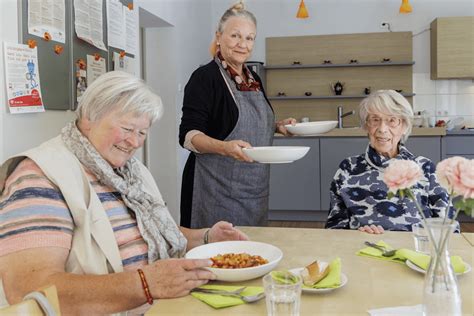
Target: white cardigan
x,y
94,248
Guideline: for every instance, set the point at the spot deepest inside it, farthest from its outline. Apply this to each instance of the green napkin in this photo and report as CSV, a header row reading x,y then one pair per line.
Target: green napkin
x,y
333,279
377,254
221,301
423,261
419,259
284,277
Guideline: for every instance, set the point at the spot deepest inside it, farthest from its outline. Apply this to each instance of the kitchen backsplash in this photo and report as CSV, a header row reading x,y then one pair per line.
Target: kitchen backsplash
x,y
444,99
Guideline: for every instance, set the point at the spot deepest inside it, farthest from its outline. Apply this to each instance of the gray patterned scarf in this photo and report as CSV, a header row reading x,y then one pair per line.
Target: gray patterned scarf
x,y
155,223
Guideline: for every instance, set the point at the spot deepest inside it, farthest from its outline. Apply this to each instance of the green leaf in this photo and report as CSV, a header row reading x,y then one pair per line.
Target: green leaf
x,y
402,193
390,195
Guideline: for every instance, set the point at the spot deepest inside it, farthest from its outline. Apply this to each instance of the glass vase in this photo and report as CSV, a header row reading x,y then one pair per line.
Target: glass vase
x,y
441,294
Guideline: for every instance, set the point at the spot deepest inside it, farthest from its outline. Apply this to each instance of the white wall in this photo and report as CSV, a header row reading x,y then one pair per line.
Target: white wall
x,y
277,18
22,131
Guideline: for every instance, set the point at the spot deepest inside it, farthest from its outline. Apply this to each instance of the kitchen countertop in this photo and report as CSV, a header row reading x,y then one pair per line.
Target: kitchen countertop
x,y
359,132
468,131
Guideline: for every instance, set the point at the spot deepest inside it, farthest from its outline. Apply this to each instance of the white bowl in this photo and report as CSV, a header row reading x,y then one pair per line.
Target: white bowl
x,y
266,251
276,154
311,128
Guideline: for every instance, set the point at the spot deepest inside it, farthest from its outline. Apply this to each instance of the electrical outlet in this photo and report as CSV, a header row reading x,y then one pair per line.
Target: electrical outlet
x,y
384,25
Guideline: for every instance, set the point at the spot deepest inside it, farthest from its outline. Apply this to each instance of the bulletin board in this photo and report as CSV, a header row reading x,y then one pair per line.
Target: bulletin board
x,y
54,70
58,71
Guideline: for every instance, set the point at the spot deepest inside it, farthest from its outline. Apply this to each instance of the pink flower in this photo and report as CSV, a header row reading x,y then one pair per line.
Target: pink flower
x,y
401,174
456,175
465,185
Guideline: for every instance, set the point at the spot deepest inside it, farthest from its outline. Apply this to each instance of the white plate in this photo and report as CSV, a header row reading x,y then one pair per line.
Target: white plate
x,y
344,279
413,266
276,154
311,128
266,251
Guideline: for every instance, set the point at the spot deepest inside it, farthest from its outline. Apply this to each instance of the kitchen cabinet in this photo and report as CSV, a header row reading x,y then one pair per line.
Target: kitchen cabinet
x,y
452,48
458,145
301,65
295,186
300,190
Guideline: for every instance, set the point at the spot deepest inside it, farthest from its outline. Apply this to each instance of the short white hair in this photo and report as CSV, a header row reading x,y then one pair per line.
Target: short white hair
x,y
389,102
118,90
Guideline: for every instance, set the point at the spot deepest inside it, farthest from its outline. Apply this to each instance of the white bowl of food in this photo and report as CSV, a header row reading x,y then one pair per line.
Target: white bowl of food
x,y
311,128
276,154
267,252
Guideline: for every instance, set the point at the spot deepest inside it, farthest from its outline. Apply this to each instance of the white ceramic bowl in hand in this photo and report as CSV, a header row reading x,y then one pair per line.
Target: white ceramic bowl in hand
x,y
311,128
276,154
266,251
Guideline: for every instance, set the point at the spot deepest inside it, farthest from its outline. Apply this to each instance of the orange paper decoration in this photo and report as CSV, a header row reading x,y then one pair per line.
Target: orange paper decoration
x,y
58,49
96,56
130,6
405,7
302,12
122,54
47,36
31,43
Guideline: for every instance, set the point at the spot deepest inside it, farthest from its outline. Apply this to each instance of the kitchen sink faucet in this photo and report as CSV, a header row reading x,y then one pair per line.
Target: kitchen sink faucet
x,y
340,115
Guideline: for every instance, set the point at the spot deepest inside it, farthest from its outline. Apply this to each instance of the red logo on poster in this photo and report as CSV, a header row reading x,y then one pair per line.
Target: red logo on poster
x,y
34,94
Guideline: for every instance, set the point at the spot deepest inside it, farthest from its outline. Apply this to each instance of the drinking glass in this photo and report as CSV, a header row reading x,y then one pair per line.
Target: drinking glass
x,y
420,236
282,294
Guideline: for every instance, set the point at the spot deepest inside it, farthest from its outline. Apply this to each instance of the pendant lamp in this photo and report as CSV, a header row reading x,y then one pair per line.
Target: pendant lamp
x,y
302,12
405,7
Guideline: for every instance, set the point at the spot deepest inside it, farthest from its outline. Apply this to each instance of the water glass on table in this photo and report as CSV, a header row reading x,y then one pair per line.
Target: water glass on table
x,y
420,236
282,298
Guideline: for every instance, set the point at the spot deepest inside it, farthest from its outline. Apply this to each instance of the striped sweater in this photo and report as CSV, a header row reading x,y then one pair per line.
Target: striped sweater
x,y
33,213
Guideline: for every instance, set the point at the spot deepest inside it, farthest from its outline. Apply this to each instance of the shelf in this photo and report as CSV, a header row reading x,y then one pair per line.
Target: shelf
x,y
361,96
378,64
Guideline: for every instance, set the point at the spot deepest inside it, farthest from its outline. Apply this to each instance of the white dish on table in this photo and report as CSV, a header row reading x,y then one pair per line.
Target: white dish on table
x,y
276,154
297,271
413,266
311,128
266,251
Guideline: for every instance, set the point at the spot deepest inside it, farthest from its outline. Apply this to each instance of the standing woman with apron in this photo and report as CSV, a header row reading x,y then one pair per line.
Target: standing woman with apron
x,y
224,110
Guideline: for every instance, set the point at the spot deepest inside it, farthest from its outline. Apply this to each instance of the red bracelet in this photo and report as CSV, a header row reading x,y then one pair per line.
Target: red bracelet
x,y
149,298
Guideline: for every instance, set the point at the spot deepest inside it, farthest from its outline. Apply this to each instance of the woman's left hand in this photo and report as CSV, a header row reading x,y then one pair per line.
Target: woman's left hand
x,y
280,126
372,229
222,231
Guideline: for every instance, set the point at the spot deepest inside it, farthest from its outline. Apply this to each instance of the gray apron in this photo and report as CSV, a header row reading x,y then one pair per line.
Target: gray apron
x,y
228,189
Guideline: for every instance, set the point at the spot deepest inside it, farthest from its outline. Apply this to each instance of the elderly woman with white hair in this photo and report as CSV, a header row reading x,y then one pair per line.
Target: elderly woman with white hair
x,y
359,195
82,213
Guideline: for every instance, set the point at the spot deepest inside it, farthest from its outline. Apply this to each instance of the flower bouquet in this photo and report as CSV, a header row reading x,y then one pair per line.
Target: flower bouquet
x,y
456,175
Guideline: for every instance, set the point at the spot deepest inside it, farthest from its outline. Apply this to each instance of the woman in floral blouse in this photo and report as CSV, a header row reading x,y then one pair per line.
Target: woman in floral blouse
x,y
359,195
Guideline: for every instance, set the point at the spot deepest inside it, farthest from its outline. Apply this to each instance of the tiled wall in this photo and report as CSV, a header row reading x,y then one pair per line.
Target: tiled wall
x,y
444,99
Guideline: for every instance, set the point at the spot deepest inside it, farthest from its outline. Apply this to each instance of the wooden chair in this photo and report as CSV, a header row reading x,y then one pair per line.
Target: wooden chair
x,y
41,302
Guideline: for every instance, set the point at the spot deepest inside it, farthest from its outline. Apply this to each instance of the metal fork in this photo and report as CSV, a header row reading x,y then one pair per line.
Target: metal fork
x,y
236,293
385,252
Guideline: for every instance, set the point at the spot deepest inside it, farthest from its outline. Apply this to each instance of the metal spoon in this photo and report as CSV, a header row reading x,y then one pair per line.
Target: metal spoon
x,y
385,252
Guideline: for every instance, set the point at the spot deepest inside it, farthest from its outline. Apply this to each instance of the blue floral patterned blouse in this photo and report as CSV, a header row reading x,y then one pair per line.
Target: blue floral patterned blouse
x,y
359,195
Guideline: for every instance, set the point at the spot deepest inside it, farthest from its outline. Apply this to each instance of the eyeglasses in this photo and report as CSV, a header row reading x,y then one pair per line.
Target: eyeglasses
x,y
375,121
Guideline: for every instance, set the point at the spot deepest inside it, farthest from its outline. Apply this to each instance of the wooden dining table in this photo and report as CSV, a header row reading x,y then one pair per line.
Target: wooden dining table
x,y
469,237
372,283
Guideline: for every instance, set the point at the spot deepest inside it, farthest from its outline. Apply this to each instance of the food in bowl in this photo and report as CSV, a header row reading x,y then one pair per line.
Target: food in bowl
x,y
237,261
314,272
267,251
